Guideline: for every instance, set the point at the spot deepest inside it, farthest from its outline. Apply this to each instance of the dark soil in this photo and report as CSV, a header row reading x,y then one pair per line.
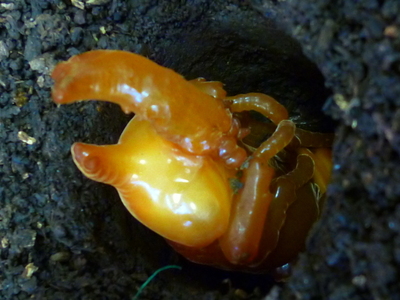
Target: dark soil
x,y
66,237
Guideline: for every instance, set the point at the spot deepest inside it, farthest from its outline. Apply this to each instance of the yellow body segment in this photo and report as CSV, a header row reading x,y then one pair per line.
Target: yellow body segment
x,y
161,185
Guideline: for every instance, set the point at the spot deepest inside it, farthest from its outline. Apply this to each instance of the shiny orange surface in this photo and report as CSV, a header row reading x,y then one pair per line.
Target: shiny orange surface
x,y
161,185
152,92
181,169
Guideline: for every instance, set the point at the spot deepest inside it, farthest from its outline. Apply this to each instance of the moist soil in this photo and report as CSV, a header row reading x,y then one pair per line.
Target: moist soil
x,y
336,67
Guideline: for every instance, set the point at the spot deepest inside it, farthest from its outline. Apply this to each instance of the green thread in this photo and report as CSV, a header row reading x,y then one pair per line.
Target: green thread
x,y
143,286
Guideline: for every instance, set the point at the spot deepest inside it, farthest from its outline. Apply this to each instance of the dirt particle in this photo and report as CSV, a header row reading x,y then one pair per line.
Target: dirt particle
x,y
60,257
29,270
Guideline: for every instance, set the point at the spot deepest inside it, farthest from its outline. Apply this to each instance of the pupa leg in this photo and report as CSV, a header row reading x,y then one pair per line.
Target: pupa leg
x,y
250,206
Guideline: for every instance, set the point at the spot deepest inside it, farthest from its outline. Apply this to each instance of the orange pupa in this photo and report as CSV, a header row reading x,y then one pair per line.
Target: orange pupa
x,y
182,166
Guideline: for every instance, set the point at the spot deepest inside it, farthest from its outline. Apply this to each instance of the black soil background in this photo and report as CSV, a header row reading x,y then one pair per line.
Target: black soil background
x,y
63,236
